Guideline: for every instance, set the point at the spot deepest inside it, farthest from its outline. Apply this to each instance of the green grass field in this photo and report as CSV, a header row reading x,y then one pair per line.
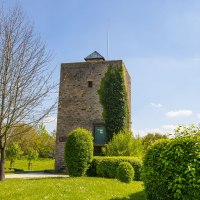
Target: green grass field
x,y
37,165
70,188
65,188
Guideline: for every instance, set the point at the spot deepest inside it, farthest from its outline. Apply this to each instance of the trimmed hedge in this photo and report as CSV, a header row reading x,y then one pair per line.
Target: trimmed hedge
x,y
125,172
171,169
107,166
78,151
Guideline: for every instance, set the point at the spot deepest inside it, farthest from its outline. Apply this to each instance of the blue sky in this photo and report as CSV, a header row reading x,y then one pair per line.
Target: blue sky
x,y
159,42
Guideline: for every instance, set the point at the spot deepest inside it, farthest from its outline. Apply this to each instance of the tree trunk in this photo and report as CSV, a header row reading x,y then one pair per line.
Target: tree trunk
x,y
2,164
29,165
11,164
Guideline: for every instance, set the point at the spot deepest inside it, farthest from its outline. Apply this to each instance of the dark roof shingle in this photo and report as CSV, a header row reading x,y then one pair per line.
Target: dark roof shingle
x,y
94,56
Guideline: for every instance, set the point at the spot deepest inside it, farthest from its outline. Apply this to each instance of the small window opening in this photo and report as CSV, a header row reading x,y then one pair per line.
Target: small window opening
x,y
89,83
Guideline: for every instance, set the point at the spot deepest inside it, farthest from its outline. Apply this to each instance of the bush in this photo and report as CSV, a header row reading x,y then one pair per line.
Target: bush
x,y
78,151
92,172
125,172
171,169
123,144
107,166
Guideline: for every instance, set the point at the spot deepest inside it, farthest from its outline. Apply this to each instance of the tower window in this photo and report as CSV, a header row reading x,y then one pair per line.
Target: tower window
x,y
89,83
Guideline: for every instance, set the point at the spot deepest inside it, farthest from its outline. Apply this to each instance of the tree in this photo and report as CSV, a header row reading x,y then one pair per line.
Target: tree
x,y
31,155
187,131
28,137
36,138
46,145
13,152
150,138
24,77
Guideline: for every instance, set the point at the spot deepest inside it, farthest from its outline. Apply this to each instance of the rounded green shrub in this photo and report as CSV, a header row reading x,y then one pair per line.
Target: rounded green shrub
x,y
171,169
125,172
78,151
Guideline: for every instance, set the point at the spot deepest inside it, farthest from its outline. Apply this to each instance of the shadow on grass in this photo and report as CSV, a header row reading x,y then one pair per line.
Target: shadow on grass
x,y
38,179
135,196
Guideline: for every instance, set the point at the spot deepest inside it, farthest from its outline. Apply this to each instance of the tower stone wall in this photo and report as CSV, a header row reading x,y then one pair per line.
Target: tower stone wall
x,y
79,104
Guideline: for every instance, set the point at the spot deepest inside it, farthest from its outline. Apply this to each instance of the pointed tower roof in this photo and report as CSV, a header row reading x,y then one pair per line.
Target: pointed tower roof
x,y
95,56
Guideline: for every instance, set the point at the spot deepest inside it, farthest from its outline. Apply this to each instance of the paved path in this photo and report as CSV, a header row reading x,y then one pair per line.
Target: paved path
x,y
36,175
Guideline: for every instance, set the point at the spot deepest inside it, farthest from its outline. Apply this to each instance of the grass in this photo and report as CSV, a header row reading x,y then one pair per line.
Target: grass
x,y
37,165
84,188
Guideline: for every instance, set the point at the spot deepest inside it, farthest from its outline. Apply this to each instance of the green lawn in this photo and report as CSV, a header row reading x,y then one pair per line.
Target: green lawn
x,y
37,165
70,188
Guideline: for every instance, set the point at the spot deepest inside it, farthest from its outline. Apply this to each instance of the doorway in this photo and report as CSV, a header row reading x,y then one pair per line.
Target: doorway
x,y
100,136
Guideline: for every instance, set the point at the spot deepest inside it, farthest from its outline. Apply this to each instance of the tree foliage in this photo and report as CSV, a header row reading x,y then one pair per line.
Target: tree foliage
x,y
13,152
79,151
46,146
31,155
187,131
36,138
25,77
113,97
150,138
28,137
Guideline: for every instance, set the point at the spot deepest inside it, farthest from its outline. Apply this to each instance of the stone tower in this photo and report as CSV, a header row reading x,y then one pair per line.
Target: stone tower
x,y
79,104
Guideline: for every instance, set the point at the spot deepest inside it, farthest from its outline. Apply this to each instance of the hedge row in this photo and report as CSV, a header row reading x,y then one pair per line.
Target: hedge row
x,y
107,166
171,169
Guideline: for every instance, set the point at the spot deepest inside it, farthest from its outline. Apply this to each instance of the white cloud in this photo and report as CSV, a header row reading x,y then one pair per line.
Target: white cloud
x,y
141,133
164,130
144,132
179,113
169,127
198,116
153,130
156,105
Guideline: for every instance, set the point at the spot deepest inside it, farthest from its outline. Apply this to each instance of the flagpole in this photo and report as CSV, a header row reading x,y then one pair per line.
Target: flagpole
x,y
108,40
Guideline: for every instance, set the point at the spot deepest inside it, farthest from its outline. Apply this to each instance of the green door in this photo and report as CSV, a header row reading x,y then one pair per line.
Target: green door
x,y
100,136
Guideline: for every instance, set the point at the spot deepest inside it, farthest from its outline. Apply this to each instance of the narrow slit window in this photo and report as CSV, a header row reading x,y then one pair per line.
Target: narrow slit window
x,y
89,83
